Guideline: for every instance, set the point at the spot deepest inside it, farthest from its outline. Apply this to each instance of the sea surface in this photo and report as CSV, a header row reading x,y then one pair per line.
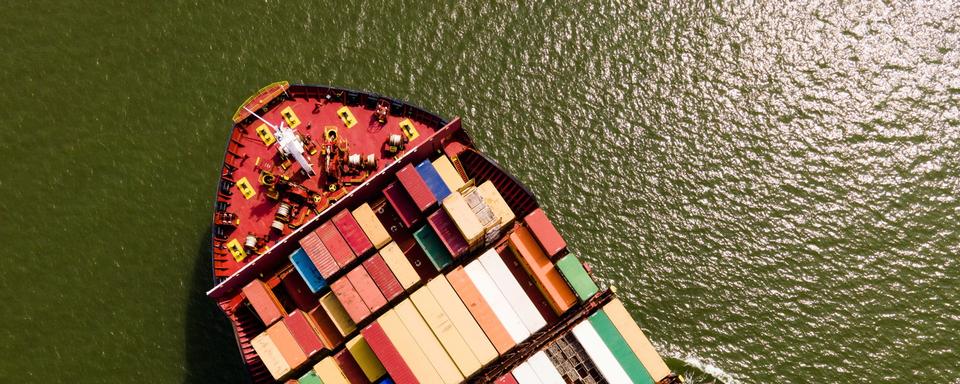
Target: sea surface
x,y
772,187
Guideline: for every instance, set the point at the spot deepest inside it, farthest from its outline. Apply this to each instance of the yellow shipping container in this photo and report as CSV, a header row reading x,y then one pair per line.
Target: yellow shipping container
x,y
494,200
399,265
431,347
446,332
368,362
458,313
329,373
341,319
635,338
408,347
371,225
448,173
466,221
270,355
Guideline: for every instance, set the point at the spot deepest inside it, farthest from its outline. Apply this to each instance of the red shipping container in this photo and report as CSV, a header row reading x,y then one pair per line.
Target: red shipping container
x,y
350,299
388,355
402,204
417,188
449,235
335,243
303,331
352,233
367,288
328,331
297,289
380,273
418,258
545,233
319,254
506,379
263,301
348,365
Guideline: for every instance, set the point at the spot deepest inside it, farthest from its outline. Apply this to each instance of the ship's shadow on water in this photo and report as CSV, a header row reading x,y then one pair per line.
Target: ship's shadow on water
x,y
211,350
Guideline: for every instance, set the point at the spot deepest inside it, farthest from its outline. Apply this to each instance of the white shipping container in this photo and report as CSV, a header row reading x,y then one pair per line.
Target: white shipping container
x,y
545,369
499,304
524,374
512,290
600,354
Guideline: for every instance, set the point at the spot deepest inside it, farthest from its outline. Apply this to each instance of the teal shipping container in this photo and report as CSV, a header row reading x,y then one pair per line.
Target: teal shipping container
x,y
433,247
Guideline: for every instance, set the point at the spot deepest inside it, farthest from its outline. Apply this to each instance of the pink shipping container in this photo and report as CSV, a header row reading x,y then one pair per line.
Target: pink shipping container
x,y
417,188
506,379
350,299
352,233
319,254
304,332
264,302
402,204
335,243
348,365
449,235
367,288
380,273
388,355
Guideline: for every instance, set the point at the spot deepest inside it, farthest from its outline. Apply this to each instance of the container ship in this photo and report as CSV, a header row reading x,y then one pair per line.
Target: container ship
x,y
360,239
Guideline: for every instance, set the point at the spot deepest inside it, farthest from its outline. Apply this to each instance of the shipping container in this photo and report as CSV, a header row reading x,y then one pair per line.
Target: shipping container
x,y
309,378
365,358
507,378
380,273
464,218
408,347
371,225
319,255
304,266
350,299
511,289
544,368
328,371
635,338
494,200
524,374
329,332
367,288
433,247
385,380
599,353
618,346
399,265
283,339
448,233
433,180
303,298
446,332
270,355
545,233
338,313
448,173
304,332
402,203
335,243
263,301
498,303
411,181
527,283
466,325
572,270
421,263
349,367
545,274
428,343
481,311
350,230
387,354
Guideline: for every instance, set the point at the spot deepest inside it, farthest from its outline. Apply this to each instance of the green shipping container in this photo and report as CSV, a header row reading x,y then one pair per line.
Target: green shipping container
x,y
310,378
616,344
433,247
572,270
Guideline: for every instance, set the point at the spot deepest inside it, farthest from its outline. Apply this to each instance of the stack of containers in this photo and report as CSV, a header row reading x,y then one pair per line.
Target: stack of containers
x,y
545,233
351,231
463,217
445,331
448,173
433,247
416,187
401,202
335,243
400,266
367,289
462,320
388,354
428,343
270,356
409,350
481,311
635,338
263,301
319,255
445,228
348,297
604,359
498,303
371,226
307,270
543,271
572,270
433,180
489,220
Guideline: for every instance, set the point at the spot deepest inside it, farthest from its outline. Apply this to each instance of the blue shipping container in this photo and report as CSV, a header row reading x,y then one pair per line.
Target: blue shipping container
x,y
307,270
430,175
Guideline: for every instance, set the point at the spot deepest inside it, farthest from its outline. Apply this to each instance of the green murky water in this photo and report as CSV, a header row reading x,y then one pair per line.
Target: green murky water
x,y
772,187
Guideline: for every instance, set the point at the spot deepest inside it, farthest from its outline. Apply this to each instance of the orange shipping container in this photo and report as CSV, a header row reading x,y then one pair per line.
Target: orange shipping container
x,y
544,272
462,320
480,310
283,339
270,355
